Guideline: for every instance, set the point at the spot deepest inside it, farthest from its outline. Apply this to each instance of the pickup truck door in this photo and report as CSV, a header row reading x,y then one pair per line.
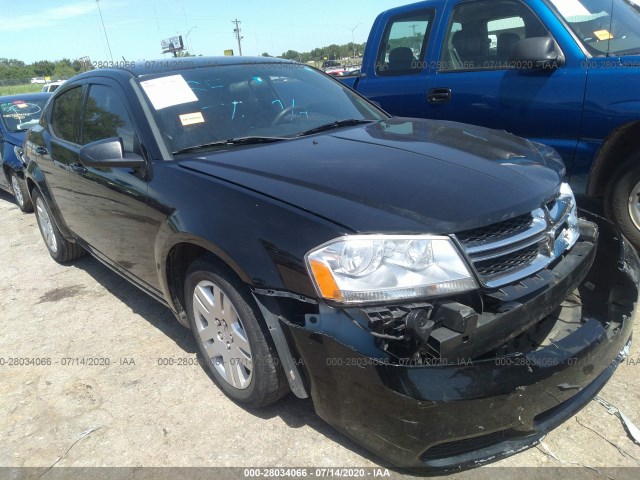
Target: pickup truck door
x,y
473,78
394,74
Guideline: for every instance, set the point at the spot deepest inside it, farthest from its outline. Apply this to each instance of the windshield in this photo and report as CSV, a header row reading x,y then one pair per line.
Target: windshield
x,y
20,115
201,106
605,27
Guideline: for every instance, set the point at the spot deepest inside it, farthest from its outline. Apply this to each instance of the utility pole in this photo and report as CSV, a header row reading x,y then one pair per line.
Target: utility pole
x,y
105,31
237,32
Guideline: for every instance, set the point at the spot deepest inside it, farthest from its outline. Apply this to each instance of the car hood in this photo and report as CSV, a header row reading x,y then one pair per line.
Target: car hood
x,y
400,176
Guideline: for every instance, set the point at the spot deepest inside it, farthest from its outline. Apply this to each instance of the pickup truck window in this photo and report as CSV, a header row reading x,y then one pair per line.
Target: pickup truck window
x,y
105,116
605,27
404,44
482,34
65,117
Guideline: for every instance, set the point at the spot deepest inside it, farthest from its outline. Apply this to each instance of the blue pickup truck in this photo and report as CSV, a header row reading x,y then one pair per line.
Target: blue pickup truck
x,y
565,73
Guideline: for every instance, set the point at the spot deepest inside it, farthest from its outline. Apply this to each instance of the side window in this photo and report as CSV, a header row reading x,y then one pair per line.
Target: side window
x,y
482,34
65,116
105,116
404,44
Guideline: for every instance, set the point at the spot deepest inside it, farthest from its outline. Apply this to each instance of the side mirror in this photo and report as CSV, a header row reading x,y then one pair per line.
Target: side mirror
x,y
109,153
536,52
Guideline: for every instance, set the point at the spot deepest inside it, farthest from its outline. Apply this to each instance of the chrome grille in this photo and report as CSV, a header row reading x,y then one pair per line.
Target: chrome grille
x,y
495,231
507,263
513,249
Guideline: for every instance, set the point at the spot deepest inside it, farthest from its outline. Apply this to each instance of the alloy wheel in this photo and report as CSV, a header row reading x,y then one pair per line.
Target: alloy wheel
x,y
44,221
222,334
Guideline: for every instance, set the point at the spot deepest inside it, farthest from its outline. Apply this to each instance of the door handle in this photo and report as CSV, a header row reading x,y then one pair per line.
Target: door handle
x,y
78,168
439,95
41,151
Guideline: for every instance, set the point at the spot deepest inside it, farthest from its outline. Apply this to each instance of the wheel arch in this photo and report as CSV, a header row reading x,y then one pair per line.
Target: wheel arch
x,y
6,171
184,250
35,181
618,145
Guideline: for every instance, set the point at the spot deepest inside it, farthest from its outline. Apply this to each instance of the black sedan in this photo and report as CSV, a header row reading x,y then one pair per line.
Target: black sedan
x,y
17,114
431,285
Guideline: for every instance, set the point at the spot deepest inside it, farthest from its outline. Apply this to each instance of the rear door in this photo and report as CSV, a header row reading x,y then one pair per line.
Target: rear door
x,y
395,75
478,83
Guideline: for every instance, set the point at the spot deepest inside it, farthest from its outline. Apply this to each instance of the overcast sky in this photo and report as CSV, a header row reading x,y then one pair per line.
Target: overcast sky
x,y
48,29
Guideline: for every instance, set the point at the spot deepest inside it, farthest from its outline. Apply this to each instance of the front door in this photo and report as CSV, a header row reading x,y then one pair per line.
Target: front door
x,y
485,86
110,211
396,80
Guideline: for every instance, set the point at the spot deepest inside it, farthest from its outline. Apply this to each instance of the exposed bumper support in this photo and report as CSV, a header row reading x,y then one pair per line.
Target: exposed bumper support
x,y
447,417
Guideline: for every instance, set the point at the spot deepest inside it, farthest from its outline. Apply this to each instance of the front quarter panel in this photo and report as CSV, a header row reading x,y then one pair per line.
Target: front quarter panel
x,y
261,239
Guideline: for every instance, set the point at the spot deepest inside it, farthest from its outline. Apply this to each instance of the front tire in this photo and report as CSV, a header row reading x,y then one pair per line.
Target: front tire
x,y
622,199
60,249
235,344
21,193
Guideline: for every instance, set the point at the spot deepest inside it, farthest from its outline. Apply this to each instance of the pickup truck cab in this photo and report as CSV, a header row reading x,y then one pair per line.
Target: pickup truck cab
x,y
563,73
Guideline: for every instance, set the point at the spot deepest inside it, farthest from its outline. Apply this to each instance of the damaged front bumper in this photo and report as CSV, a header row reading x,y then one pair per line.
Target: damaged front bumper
x,y
449,416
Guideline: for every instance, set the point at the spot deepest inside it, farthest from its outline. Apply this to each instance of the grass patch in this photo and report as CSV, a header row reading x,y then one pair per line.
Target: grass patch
x,y
18,89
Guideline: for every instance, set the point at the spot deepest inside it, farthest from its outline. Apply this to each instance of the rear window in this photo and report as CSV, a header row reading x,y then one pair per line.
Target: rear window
x,y
20,115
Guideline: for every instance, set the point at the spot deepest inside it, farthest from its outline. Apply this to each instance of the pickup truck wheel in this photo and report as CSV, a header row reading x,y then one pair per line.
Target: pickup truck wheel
x,y
20,193
622,199
60,249
237,348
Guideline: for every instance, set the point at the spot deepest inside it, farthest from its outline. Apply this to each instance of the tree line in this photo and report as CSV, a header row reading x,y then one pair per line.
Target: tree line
x,y
331,52
15,72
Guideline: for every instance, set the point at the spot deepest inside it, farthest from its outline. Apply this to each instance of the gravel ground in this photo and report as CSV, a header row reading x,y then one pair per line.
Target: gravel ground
x,y
135,412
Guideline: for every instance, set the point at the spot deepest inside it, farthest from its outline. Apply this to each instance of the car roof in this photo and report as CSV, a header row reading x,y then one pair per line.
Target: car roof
x,y
25,96
141,68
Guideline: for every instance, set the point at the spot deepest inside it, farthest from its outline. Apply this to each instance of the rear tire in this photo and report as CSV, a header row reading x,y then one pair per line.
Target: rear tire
x,y
21,193
235,344
622,199
60,249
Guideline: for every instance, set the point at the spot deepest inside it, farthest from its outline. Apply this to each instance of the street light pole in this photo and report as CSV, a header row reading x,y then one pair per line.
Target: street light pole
x,y
353,40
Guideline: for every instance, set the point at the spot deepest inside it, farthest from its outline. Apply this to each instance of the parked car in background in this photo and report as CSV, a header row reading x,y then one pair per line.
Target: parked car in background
x,y
431,285
52,87
35,80
563,73
331,64
17,114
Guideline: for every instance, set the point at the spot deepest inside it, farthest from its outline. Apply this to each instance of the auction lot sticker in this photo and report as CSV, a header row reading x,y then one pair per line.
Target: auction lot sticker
x,y
168,91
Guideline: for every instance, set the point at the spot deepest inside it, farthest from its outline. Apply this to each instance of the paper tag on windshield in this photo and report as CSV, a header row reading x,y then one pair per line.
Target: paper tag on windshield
x,y
191,118
168,91
603,35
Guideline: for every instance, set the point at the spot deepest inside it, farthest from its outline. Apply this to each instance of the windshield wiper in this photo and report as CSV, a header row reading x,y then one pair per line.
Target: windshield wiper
x,y
231,142
337,124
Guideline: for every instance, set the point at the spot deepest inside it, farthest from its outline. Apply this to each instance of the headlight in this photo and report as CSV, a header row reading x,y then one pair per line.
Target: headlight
x,y
376,268
572,232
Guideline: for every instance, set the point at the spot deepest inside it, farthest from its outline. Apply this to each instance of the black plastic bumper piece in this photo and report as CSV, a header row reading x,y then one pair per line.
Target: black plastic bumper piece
x,y
449,417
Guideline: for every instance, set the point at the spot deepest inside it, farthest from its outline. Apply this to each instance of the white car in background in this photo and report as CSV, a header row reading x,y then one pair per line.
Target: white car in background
x,y
52,87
